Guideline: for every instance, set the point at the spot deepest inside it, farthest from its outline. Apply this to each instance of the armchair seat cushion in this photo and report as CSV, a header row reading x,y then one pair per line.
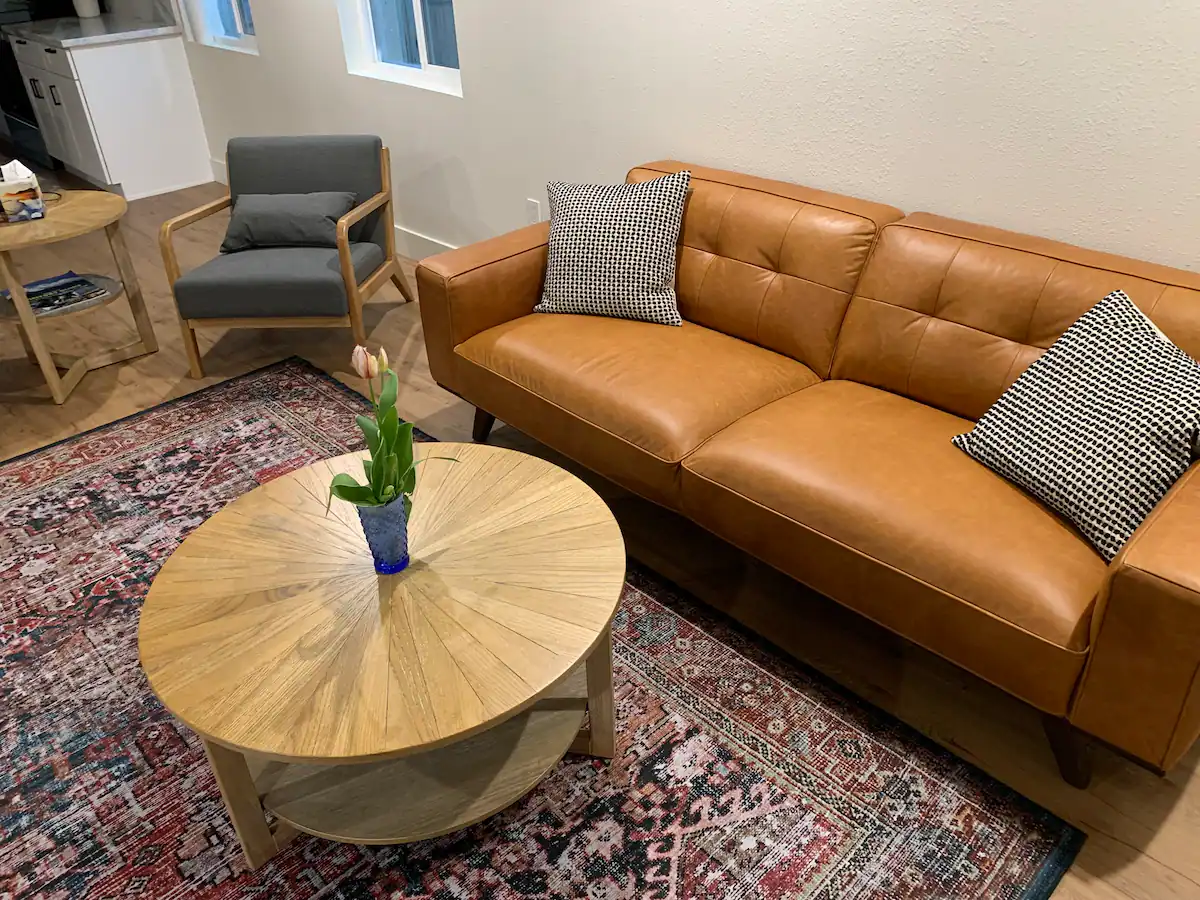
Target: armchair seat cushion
x,y
275,281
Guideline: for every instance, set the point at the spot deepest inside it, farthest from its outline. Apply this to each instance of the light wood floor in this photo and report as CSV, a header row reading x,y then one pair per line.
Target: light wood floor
x,y
1144,831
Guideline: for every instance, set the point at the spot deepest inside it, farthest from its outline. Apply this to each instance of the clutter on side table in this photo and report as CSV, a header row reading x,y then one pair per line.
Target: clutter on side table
x,y
20,193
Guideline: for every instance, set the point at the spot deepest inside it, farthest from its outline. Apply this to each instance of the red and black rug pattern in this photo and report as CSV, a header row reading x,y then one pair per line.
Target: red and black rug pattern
x,y
739,774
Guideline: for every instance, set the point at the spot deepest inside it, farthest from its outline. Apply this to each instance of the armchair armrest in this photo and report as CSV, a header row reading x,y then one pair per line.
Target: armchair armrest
x,y
344,225
169,227
1141,687
466,291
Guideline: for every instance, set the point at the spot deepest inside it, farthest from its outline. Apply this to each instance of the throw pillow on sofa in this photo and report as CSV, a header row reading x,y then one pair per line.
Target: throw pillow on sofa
x,y
613,249
286,220
1100,426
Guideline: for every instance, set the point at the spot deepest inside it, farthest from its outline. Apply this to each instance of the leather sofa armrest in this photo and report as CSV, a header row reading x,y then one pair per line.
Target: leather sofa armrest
x,y
1141,688
466,291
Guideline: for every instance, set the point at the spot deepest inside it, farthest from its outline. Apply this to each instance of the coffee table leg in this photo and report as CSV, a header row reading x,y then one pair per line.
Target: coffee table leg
x,y
242,803
602,739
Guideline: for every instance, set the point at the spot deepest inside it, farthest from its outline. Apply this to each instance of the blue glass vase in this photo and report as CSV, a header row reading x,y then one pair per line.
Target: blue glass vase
x,y
386,528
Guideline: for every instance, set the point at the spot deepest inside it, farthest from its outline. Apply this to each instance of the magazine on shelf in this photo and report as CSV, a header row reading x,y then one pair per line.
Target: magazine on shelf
x,y
61,291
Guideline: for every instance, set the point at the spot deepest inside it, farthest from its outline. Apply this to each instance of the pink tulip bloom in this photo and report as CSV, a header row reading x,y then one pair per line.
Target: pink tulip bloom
x,y
361,362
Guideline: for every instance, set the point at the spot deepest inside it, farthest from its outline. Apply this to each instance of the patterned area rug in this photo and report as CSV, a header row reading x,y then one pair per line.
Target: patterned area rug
x,y
739,774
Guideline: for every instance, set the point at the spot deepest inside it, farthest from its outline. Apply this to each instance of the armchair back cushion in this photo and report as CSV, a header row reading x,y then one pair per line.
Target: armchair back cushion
x,y
286,220
312,163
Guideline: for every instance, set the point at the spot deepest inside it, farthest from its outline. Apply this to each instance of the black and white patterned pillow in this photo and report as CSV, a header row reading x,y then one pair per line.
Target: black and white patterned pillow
x,y
1100,426
613,249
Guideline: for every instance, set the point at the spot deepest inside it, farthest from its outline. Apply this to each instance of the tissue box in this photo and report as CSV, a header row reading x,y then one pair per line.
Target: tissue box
x,y
20,194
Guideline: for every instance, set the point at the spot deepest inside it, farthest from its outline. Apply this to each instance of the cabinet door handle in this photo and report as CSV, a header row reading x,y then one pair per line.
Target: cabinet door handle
x,y
54,95
21,42
49,49
37,91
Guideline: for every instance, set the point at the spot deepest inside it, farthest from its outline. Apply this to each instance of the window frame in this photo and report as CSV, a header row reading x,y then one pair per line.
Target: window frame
x,y
203,19
362,55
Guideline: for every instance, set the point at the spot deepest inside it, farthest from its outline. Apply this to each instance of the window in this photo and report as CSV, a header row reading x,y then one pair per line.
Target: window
x,y
407,41
223,23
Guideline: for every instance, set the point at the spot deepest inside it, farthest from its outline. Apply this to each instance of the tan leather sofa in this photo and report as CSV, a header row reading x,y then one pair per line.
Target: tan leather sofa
x,y
831,349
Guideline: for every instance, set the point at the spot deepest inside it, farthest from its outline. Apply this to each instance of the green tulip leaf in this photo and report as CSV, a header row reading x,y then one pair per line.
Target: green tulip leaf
x,y
344,487
407,506
392,476
389,430
370,431
374,475
387,396
403,447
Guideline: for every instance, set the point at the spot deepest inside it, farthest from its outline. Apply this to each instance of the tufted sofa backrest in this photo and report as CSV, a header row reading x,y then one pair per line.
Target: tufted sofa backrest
x,y
950,313
769,262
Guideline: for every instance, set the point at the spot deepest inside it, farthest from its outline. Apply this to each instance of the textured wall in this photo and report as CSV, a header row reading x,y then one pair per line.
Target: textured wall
x,y
1073,119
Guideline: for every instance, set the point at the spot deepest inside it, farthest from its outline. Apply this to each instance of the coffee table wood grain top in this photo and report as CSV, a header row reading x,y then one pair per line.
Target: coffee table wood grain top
x,y
268,631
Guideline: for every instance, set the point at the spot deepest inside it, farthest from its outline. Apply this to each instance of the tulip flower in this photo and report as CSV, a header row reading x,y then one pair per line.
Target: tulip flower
x,y
391,468
361,361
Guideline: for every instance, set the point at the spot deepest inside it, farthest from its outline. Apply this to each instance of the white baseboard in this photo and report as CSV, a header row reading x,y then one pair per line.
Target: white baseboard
x,y
417,246
164,190
219,173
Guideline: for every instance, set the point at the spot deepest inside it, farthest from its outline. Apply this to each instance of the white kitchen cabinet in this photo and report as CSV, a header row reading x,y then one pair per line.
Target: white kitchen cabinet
x,y
122,115
35,86
75,126
66,126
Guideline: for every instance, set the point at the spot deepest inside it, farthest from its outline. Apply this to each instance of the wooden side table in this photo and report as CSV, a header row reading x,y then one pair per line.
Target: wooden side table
x,y
76,214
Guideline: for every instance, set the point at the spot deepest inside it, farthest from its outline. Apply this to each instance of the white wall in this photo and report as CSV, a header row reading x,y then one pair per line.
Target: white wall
x,y
1075,119
161,9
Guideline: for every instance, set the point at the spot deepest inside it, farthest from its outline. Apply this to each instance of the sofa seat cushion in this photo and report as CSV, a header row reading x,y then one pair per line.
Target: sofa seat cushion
x,y
860,493
273,281
655,394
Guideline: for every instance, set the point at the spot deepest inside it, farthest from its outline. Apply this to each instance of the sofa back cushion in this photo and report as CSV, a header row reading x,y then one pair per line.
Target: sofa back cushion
x,y
950,313
769,262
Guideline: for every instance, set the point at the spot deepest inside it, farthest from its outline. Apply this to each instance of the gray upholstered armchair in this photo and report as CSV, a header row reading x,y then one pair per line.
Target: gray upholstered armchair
x,y
293,287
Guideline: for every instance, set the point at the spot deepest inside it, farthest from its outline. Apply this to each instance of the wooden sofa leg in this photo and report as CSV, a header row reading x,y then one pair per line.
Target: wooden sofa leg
x,y
1072,750
483,426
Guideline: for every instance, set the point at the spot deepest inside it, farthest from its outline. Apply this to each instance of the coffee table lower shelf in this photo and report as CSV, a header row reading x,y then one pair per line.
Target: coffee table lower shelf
x,y
412,798
434,793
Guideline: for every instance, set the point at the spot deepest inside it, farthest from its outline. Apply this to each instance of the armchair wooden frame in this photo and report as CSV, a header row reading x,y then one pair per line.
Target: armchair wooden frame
x,y
356,292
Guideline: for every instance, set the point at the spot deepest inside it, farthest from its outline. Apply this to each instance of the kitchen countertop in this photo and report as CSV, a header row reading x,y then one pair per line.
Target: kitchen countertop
x,y
110,28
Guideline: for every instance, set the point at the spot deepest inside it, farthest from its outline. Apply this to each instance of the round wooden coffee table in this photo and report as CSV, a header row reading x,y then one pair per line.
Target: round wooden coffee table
x,y
390,708
75,214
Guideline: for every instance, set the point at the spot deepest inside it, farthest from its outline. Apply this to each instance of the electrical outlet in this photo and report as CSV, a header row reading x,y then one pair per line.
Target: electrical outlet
x,y
533,210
